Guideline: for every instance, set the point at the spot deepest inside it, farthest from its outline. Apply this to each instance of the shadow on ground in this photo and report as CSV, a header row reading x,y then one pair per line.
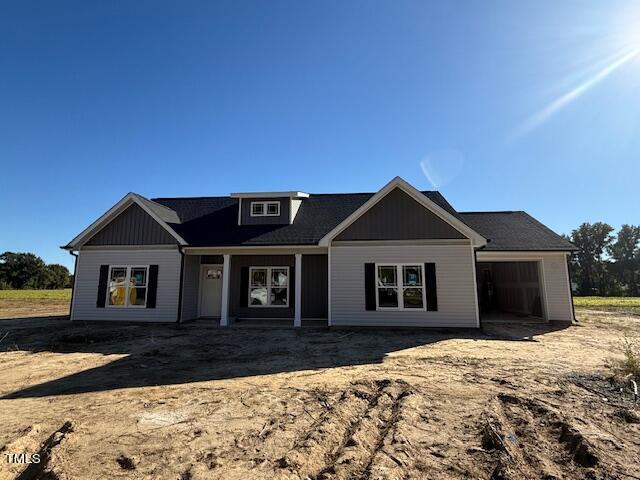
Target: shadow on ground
x,y
172,354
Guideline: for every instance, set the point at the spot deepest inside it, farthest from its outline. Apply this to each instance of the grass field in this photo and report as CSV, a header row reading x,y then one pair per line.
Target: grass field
x,y
34,303
64,294
628,304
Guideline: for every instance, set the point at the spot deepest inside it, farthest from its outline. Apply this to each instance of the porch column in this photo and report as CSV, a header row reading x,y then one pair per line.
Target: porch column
x,y
297,321
226,275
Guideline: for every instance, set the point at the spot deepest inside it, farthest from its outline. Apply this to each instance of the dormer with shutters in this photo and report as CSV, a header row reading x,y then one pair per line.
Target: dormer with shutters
x,y
268,208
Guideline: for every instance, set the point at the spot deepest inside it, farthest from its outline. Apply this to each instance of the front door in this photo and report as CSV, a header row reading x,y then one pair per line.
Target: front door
x,y
210,290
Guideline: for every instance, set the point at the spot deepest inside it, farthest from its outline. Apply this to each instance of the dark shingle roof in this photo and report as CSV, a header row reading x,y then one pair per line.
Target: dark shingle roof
x,y
515,231
213,221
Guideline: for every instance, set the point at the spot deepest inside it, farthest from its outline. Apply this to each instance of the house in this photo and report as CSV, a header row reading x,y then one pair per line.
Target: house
x,y
397,257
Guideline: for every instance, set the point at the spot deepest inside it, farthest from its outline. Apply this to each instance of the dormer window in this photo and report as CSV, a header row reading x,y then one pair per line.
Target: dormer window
x,y
265,209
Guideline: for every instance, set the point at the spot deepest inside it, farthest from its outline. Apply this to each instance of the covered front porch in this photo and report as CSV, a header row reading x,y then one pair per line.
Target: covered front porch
x,y
255,287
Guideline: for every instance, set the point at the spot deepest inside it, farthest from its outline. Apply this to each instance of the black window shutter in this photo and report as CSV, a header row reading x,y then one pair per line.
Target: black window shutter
x,y
370,286
432,289
152,287
102,286
244,286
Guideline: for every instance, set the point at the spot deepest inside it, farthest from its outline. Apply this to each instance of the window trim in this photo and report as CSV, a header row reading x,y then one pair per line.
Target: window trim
x,y
265,206
268,286
127,281
400,287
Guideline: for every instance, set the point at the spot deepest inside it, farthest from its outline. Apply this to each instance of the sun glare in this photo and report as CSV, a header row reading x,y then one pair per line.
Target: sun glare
x,y
623,44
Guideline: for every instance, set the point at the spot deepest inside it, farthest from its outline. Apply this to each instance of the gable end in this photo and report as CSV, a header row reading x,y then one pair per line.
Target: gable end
x,y
397,216
133,226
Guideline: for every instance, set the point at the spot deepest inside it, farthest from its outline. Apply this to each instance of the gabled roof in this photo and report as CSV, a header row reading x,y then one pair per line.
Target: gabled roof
x,y
160,213
213,221
422,199
515,231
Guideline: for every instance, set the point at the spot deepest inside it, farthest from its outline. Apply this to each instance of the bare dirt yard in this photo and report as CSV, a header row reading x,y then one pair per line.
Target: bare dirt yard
x,y
133,401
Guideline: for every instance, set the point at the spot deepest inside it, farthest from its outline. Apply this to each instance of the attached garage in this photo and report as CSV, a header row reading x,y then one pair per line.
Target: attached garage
x,y
532,285
510,289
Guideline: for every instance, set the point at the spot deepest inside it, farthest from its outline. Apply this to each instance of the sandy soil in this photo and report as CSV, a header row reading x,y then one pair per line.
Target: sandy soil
x,y
511,402
19,308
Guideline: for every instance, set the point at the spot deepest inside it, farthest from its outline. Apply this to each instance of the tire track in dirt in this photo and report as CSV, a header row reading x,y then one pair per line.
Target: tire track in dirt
x,y
345,442
533,440
28,444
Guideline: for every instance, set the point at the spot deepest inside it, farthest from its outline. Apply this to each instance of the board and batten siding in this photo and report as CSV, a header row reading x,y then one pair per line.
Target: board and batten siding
x,y
314,286
133,226
454,276
397,216
190,287
88,272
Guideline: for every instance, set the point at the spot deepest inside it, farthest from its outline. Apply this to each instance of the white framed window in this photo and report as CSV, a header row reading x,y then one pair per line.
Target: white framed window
x,y
268,286
400,286
265,209
127,286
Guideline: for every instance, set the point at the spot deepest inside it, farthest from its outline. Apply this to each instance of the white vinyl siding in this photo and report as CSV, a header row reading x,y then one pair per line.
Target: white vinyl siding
x,y
556,285
88,273
454,276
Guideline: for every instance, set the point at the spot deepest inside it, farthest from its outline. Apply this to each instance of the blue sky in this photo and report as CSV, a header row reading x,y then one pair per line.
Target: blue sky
x,y
502,105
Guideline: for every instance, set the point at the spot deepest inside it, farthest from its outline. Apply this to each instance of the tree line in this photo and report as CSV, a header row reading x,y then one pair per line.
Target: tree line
x,y
28,271
606,264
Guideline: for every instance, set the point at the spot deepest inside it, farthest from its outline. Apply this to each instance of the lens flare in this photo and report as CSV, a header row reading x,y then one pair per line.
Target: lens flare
x,y
554,107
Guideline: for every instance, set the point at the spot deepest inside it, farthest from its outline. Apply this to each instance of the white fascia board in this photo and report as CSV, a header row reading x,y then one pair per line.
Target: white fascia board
x,y
126,201
269,195
477,239
515,256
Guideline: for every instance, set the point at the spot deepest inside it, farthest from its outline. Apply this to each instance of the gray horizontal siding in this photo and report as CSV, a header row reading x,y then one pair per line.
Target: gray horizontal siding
x,y
455,284
247,219
133,226
239,261
399,217
314,286
88,270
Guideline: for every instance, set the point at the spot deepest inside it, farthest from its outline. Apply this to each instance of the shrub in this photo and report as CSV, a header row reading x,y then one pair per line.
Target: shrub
x,y
631,363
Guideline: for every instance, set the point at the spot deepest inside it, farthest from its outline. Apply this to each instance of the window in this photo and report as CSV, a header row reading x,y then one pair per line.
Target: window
x,y
400,287
127,286
268,286
265,209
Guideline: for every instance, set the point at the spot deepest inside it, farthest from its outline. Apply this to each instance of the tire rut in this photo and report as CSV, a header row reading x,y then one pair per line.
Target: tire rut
x,y
534,440
350,435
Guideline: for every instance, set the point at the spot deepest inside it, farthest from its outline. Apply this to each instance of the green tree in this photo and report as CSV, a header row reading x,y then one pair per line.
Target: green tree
x,y
625,253
593,240
20,270
55,276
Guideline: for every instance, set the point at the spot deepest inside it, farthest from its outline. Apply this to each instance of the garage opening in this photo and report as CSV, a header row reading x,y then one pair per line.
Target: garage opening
x,y
508,290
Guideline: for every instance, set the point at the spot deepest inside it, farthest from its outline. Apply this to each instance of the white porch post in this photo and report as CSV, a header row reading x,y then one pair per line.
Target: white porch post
x,y
226,275
297,321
